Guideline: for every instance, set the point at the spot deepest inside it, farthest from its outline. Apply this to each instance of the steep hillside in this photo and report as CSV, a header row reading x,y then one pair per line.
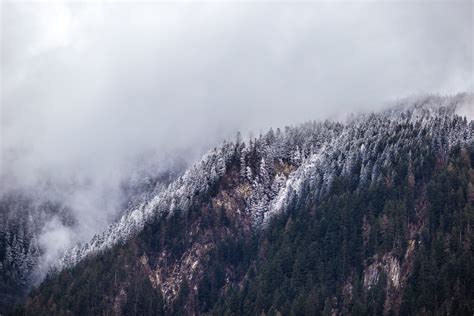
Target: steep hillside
x,y
402,247
366,216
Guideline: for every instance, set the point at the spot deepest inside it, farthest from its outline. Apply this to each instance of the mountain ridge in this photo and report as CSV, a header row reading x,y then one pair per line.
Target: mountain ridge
x,y
214,162
324,216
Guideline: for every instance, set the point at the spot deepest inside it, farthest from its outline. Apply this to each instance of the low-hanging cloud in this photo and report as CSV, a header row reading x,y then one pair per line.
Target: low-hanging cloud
x,y
88,87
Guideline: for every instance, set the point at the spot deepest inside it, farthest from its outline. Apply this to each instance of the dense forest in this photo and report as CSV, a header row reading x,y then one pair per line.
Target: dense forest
x,y
372,217
404,248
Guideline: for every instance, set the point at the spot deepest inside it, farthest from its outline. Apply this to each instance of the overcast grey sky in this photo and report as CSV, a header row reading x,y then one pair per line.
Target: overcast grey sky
x,y
98,82
86,87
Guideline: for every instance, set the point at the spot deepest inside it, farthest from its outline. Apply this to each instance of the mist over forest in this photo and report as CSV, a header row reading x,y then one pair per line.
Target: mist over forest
x,y
103,105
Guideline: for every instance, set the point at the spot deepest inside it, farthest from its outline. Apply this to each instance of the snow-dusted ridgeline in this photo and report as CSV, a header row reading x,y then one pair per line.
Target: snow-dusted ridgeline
x,y
316,153
361,139
177,195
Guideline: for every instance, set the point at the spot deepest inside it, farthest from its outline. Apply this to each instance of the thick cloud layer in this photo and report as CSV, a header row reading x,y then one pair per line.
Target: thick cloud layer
x,y
86,88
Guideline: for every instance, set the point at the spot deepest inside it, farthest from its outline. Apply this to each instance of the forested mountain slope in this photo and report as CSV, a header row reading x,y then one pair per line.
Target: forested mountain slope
x,y
370,216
